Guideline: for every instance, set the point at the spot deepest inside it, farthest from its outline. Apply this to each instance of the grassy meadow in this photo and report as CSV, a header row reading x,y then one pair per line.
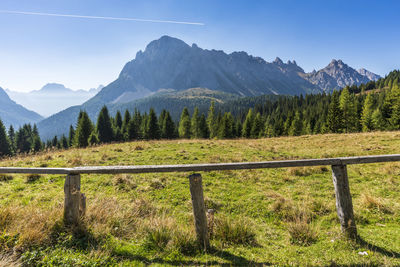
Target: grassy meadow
x,y
273,217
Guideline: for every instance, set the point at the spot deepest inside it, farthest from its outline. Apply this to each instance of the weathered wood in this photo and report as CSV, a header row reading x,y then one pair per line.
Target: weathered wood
x,y
35,170
344,205
199,210
206,166
73,201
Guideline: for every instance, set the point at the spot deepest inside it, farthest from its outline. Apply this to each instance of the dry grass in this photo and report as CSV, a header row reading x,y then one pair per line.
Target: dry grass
x,y
119,218
306,171
375,204
7,260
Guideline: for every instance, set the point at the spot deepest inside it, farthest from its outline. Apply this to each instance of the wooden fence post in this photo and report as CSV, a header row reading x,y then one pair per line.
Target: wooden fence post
x,y
74,201
199,210
344,205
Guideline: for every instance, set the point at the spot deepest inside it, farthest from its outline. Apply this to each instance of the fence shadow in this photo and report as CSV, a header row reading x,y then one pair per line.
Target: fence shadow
x,y
372,247
232,260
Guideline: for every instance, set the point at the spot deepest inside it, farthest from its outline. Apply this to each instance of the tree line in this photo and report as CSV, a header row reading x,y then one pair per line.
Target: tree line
x,y
368,107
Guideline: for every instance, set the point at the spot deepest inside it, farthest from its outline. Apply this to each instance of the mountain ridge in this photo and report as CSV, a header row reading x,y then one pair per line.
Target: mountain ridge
x,y
169,63
14,114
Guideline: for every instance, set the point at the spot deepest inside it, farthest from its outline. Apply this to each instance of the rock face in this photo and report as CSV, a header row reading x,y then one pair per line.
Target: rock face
x,y
170,63
337,75
13,114
372,76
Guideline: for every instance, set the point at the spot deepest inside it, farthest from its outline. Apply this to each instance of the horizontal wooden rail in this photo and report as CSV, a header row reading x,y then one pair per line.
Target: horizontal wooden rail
x,y
206,166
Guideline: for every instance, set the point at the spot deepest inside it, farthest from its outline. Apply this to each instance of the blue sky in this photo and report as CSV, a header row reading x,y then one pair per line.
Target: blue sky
x,y
83,53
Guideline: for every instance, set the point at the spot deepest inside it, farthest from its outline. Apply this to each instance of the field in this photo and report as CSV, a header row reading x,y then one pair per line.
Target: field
x,y
273,217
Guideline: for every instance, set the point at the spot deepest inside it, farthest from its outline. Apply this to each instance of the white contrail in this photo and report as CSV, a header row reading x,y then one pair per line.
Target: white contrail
x,y
99,17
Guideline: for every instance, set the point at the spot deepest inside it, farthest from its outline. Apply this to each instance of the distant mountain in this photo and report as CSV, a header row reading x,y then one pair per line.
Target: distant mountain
x,y
338,75
13,114
171,64
52,98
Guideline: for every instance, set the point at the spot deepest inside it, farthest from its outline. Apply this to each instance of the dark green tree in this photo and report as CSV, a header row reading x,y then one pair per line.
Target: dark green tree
x,y
335,117
184,124
152,127
5,147
104,127
168,127
83,130
195,124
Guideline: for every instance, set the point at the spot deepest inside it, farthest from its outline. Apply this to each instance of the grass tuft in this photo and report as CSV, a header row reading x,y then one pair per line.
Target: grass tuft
x,y
124,182
5,177
31,178
302,232
237,232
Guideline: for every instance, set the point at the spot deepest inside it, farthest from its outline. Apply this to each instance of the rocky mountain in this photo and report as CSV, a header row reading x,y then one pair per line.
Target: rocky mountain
x,y
52,98
171,64
337,75
13,114
370,75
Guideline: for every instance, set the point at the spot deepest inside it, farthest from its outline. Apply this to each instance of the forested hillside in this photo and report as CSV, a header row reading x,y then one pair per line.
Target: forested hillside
x,y
369,107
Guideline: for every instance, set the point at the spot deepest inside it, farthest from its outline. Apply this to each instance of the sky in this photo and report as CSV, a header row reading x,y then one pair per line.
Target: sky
x,y
83,52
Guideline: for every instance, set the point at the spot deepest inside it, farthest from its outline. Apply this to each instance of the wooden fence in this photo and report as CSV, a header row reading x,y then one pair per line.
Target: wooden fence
x,y
75,201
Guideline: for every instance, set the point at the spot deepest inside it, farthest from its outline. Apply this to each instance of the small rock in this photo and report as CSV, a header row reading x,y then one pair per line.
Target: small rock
x,y
364,253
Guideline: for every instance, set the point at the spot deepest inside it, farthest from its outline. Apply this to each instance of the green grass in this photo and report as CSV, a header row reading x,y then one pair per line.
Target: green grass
x,y
274,216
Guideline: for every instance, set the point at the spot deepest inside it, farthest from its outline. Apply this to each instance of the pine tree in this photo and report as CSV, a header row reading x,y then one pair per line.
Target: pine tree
x,y
296,127
71,136
168,127
11,137
184,124
118,120
195,124
335,117
152,127
226,126
132,130
348,111
64,142
366,117
125,123
203,128
211,121
248,124
36,144
23,139
104,127
257,126
83,130
5,147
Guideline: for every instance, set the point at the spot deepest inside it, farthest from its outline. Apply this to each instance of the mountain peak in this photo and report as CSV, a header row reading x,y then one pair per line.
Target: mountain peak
x,y
166,42
278,61
53,87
